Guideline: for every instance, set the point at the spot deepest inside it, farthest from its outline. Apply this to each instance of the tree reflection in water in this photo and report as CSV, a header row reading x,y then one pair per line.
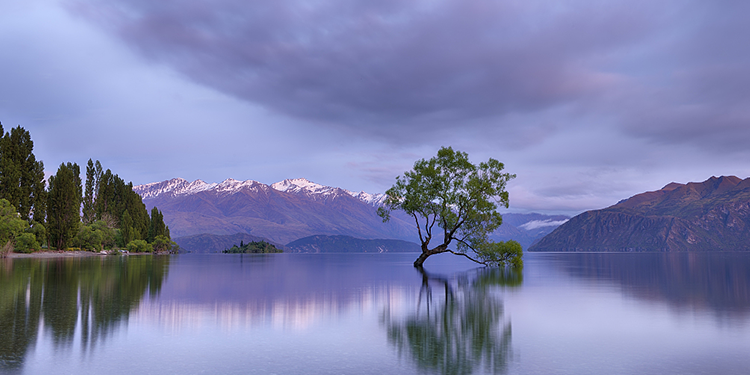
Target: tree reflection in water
x,y
96,294
462,330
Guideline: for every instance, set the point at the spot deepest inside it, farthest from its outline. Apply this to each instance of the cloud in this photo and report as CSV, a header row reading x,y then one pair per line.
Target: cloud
x,y
588,102
536,224
667,72
380,64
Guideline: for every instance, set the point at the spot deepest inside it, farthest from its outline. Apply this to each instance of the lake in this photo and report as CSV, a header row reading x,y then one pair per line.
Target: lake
x,y
686,313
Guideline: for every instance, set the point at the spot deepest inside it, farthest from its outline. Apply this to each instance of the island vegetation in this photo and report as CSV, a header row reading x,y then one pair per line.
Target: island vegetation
x,y
60,214
254,247
460,198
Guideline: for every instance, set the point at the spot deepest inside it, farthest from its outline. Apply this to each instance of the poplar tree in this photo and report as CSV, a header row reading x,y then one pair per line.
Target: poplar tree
x,y
64,205
39,191
126,228
114,197
89,213
157,227
21,175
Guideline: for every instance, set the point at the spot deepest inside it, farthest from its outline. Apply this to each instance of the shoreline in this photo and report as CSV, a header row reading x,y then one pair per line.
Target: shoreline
x,y
64,254
52,254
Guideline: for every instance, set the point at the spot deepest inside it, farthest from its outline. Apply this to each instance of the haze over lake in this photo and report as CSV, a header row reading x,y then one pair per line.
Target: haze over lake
x,y
376,314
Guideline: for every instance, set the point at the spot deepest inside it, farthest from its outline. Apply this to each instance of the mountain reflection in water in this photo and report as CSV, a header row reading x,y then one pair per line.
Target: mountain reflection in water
x,y
93,294
375,314
716,283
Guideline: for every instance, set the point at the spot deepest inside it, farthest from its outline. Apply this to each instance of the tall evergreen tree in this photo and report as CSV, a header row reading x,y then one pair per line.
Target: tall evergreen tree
x,y
21,175
64,205
40,194
97,176
126,228
114,197
157,227
89,212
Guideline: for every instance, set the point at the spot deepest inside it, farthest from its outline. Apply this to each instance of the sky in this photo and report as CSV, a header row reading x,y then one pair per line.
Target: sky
x,y
587,102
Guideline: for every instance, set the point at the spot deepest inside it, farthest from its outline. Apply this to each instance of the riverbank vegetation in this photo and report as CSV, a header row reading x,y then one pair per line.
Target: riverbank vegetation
x,y
65,212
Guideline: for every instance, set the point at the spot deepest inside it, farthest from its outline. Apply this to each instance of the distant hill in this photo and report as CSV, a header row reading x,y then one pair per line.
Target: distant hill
x,y
293,209
282,212
215,243
713,215
346,244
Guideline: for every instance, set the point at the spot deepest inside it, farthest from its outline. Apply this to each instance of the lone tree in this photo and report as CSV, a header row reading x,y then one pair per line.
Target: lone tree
x,y
459,198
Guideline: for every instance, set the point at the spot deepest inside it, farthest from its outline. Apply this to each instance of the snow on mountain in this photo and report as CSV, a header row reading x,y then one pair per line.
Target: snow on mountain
x,y
302,185
175,187
371,199
179,187
298,185
230,186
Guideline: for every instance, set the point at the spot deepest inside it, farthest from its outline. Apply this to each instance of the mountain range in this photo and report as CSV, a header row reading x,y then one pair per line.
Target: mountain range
x,y
208,216
713,215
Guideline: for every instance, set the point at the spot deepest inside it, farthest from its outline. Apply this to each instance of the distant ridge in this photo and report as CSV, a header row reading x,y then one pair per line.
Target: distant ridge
x,y
215,243
281,212
293,209
181,187
346,244
713,215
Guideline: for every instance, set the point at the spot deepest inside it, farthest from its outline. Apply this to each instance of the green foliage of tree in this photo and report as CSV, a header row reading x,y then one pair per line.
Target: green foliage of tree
x,y
106,198
255,247
64,205
163,244
11,225
114,197
458,197
96,236
139,246
39,231
21,175
89,212
126,228
157,227
508,253
26,243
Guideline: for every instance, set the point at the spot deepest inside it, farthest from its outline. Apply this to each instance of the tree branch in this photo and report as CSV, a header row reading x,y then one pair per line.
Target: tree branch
x,y
461,240
419,230
467,256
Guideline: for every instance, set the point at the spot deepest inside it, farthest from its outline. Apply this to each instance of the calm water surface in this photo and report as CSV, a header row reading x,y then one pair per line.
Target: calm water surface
x,y
376,314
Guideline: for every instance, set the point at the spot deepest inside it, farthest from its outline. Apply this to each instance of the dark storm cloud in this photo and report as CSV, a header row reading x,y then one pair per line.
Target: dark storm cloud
x,y
668,71
383,62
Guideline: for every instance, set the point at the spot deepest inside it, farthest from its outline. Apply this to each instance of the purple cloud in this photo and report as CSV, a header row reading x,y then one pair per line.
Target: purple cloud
x,y
368,63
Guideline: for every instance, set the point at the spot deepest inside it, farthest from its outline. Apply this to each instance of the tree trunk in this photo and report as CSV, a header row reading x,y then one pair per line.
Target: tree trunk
x,y
426,253
421,259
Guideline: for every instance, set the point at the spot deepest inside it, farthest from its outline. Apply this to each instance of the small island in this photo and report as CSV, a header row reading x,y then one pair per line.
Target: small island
x,y
255,247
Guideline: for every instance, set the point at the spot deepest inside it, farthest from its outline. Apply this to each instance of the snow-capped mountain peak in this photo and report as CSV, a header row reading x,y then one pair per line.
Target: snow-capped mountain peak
x,y
305,186
371,199
175,186
179,187
231,185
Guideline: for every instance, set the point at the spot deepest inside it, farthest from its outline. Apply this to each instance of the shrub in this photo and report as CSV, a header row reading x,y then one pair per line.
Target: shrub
x,y
26,243
162,243
139,246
